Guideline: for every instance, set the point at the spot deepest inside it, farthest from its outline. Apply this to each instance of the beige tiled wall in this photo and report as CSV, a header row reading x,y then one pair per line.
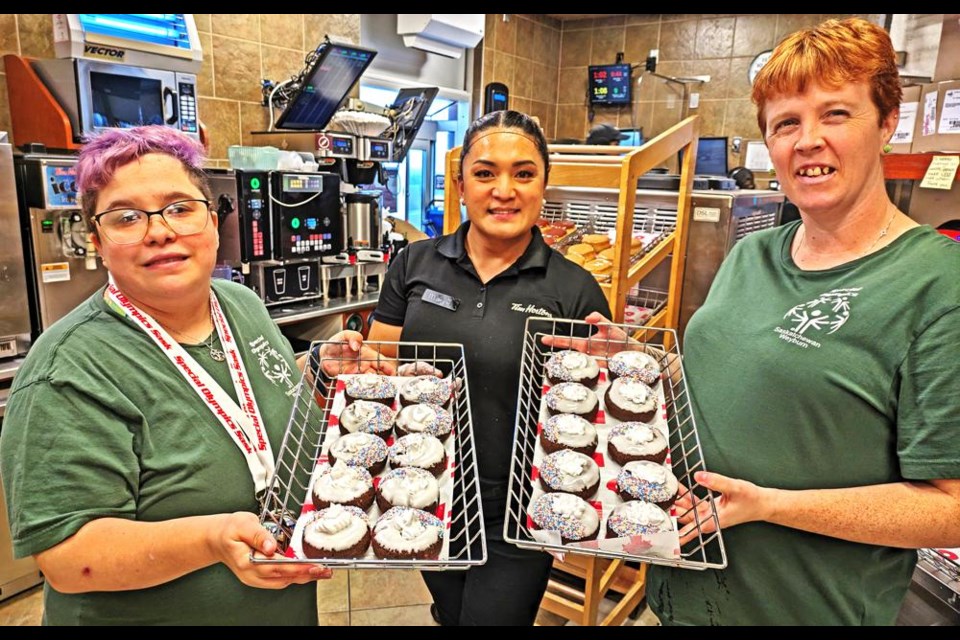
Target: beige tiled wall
x,y
523,53
719,45
239,50
542,61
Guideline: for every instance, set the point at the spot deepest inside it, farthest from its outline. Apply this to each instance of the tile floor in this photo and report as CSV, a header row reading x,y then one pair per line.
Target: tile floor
x,y
357,598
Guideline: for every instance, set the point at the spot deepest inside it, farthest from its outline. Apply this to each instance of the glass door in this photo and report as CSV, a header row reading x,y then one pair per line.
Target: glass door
x,y
419,181
413,188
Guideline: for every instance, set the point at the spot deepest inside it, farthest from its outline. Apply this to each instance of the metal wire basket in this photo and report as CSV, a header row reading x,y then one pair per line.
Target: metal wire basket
x,y
935,561
705,550
288,494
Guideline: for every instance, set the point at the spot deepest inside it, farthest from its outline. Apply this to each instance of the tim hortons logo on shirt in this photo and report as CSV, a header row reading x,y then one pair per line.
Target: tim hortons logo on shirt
x,y
272,364
823,315
529,309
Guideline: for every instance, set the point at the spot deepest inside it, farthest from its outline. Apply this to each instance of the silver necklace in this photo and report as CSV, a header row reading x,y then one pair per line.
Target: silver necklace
x,y
216,355
880,237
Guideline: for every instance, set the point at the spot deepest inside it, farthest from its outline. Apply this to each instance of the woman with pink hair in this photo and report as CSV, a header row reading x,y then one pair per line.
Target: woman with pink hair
x,y
140,431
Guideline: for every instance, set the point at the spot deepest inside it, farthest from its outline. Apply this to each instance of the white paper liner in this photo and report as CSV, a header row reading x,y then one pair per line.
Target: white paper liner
x,y
664,544
445,479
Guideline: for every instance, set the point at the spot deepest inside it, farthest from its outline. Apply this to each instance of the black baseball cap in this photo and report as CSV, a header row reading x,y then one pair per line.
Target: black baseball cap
x,y
605,134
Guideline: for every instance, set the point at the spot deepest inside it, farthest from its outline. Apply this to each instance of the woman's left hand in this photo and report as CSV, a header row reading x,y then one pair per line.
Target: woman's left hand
x,y
739,501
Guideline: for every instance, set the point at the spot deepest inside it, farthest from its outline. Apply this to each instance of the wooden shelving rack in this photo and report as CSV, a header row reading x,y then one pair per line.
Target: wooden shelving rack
x,y
910,166
617,168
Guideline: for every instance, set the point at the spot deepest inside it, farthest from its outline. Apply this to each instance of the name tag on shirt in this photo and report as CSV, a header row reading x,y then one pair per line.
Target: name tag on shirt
x,y
440,299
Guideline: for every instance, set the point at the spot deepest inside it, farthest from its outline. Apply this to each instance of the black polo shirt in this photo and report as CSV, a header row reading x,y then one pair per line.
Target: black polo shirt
x,y
489,321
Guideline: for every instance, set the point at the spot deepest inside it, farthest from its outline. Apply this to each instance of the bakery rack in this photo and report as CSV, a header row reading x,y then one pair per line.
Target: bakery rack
x,y
304,437
705,550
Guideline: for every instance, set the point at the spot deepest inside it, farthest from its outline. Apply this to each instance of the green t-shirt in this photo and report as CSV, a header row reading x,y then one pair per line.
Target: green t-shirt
x,y
101,424
824,379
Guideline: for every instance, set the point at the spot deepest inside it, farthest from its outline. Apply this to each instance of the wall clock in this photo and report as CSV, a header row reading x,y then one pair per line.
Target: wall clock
x,y
757,64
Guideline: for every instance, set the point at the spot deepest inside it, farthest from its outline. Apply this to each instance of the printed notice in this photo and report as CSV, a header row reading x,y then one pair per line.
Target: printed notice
x,y
706,214
950,115
758,158
908,119
928,126
941,172
55,272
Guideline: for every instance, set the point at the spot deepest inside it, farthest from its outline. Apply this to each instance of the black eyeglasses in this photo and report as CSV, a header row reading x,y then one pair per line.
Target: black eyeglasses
x,y
129,226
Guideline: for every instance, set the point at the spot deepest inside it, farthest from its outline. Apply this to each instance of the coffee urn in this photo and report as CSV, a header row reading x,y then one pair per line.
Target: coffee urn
x,y
363,221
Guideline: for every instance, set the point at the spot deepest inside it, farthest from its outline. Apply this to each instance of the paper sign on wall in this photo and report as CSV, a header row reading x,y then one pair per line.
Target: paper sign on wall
x,y
940,173
929,125
950,115
758,157
908,120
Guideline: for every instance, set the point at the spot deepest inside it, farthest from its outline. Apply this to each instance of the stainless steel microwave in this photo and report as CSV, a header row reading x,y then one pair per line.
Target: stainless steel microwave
x,y
97,95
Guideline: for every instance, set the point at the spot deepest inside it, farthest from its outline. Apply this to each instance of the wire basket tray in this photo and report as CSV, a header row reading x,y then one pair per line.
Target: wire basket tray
x,y
705,550
937,561
288,495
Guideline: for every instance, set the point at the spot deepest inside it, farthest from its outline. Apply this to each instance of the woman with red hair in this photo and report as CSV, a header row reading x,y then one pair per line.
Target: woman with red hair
x,y
823,366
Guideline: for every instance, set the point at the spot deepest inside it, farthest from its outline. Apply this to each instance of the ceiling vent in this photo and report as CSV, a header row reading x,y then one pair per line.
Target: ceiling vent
x,y
447,34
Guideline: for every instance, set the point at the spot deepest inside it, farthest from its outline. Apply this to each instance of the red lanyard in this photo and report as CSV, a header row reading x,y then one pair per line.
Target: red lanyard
x,y
243,422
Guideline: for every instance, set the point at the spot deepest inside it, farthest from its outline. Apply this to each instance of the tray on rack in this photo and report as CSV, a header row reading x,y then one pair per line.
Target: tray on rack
x,y
675,421
312,429
945,564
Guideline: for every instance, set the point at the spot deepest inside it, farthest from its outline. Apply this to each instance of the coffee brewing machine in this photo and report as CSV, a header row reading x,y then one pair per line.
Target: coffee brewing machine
x,y
299,235
276,227
61,261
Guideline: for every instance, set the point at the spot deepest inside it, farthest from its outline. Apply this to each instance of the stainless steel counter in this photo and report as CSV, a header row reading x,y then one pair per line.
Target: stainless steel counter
x,y
934,595
293,313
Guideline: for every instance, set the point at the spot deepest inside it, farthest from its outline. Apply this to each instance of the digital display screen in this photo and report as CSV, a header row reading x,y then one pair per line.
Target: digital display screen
x,y
293,183
379,150
711,157
342,145
609,84
634,137
413,103
334,72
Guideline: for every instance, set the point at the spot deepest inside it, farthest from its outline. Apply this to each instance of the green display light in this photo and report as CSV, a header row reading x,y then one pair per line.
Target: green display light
x,y
254,183
295,223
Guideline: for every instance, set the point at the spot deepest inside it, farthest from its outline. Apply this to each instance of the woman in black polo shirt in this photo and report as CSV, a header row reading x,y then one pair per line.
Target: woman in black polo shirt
x,y
477,287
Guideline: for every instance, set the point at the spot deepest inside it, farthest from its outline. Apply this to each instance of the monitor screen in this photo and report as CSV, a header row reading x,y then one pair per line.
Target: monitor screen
x,y
333,73
711,157
411,106
609,84
634,139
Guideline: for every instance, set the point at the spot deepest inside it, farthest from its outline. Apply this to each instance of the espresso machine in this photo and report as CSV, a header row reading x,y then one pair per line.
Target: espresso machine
x,y
61,261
